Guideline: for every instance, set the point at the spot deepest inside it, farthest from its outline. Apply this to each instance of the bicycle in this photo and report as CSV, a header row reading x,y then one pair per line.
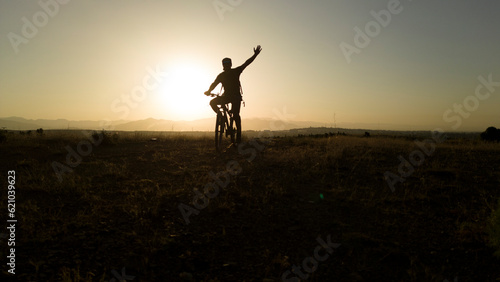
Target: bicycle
x,y
224,124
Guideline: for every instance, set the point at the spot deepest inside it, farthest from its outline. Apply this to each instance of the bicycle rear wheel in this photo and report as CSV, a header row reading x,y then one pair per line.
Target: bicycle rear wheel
x,y
219,132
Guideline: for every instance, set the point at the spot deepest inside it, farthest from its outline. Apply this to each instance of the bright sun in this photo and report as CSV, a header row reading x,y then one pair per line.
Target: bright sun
x,y
182,93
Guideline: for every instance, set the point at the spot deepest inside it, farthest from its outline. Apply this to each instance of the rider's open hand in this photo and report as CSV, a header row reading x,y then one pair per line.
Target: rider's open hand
x,y
257,50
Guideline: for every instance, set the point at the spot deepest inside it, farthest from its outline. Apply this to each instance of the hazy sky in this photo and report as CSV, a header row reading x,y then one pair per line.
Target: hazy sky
x,y
413,64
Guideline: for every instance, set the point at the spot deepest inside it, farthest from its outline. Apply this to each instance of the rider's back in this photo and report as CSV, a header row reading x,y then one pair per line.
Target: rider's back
x,y
230,80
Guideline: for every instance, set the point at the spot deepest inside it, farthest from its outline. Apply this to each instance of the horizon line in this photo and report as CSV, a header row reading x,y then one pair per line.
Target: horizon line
x,y
314,124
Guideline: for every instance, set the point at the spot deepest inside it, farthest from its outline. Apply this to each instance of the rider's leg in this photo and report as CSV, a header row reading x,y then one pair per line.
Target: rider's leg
x,y
214,103
237,120
236,105
221,100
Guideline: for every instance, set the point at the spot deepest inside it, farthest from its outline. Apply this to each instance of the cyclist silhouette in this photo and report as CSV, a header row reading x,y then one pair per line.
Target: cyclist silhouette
x,y
230,79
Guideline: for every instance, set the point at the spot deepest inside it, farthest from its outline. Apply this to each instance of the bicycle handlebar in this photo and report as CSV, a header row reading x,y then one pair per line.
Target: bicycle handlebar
x,y
211,94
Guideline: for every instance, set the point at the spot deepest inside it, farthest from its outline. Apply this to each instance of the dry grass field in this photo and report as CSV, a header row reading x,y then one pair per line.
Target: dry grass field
x,y
278,209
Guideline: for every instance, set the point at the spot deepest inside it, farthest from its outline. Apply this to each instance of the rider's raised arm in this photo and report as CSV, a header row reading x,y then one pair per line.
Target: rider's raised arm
x,y
256,52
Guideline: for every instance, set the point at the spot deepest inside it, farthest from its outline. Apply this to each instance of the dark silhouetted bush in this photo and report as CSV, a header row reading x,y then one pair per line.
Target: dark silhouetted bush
x,y
105,138
3,136
491,134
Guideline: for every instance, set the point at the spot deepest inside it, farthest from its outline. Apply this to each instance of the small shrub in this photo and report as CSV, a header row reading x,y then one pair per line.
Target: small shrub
x,y
491,134
494,230
107,138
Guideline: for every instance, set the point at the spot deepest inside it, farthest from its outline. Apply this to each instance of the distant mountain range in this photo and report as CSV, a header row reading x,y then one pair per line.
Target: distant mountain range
x,y
150,124
208,124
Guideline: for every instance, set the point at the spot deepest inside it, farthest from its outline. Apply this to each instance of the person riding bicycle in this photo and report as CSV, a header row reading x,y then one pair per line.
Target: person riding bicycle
x,y
230,79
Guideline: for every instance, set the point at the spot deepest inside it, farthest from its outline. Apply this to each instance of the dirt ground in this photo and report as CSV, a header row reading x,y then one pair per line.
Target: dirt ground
x,y
281,209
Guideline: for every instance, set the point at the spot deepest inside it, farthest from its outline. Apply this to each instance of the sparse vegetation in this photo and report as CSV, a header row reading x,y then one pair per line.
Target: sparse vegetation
x,y
494,230
119,208
323,135
105,138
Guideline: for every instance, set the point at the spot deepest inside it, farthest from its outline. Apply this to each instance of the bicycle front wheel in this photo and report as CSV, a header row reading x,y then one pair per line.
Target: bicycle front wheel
x,y
219,132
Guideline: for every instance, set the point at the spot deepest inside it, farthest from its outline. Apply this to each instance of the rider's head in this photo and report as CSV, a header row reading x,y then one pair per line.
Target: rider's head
x,y
226,63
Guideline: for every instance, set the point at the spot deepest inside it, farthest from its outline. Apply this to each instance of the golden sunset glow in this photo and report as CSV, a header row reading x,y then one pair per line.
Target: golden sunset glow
x,y
373,64
182,92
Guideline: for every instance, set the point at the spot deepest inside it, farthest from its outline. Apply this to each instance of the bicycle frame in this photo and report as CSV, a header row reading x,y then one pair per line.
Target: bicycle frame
x,y
224,124
227,118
